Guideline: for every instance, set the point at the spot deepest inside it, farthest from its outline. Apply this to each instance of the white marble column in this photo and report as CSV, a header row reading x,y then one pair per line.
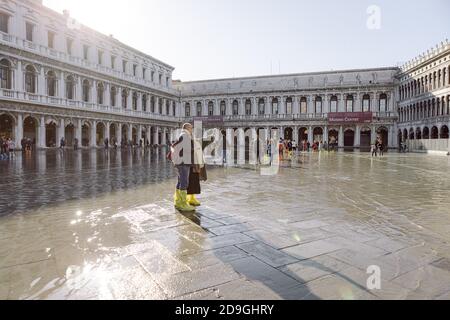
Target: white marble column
x,y
296,106
139,102
130,133
295,134
325,134
230,146
78,128
19,82
19,130
163,136
310,135
41,133
241,146
341,137
282,105
60,132
41,83
108,132
357,141
254,106
268,106
148,136
119,134
130,100
155,135
93,140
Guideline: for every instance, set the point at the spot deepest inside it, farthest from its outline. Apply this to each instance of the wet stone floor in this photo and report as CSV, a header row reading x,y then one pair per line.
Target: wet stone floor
x,y
101,225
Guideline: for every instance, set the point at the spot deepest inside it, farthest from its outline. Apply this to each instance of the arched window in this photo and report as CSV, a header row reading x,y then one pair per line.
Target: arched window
x,y
70,87
235,108
223,108
152,104
5,74
383,103
167,106
334,104
144,102
113,96
160,105
248,107
174,105
349,103
366,103
4,22
289,105
261,107
275,106
199,109
135,100
187,110
100,92
318,105
303,106
210,108
30,79
124,98
86,89
51,84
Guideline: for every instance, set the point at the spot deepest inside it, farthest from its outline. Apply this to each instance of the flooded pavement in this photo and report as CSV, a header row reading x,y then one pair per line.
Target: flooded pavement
x,y
98,225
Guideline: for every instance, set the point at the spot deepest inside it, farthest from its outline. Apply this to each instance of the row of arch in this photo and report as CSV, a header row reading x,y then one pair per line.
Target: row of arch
x,y
425,109
276,106
115,94
425,133
432,81
120,133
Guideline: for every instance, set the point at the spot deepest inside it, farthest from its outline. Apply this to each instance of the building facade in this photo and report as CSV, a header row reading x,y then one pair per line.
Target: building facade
x,y
61,79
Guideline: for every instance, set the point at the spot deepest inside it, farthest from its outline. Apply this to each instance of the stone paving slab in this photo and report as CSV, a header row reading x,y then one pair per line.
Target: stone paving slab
x,y
267,254
313,249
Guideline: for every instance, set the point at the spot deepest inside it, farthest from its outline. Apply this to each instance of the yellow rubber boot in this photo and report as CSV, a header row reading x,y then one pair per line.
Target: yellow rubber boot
x,y
192,200
182,204
176,197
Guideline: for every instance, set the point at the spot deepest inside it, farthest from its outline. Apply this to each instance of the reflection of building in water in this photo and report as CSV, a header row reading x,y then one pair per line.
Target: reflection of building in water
x,y
57,81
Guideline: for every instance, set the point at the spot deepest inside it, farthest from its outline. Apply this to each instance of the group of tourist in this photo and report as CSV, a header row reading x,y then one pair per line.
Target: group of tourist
x,y
7,147
377,148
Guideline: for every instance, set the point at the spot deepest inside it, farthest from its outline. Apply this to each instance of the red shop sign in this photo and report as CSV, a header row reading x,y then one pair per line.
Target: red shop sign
x,y
350,117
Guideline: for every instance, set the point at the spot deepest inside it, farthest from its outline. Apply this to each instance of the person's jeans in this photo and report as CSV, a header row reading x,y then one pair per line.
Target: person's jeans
x,y
183,176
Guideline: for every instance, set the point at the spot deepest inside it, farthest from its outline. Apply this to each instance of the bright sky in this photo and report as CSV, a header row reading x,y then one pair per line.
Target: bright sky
x,y
208,39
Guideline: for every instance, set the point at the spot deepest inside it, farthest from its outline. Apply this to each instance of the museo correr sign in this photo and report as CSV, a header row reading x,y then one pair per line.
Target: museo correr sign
x,y
350,117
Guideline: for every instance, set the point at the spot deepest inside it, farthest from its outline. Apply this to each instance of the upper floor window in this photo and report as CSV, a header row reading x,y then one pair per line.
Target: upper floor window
x,y
235,108
113,96
4,22
100,92
113,62
173,108
167,106
160,105
30,79
199,109
100,57
124,66
248,107
69,46
86,89
135,100
210,108
187,110
51,83
275,106
124,98
334,104
167,81
303,106
318,105
289,106
349,103
144,102
29,29
152,104
383,102
261,107
85,52
70,87
152,76
366,103
223,108
160,79
51,40
134,70
144,73
5,74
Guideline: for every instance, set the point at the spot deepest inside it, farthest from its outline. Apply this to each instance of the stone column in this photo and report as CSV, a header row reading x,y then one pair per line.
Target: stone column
x,y
130,132
325,105
373,103
296,106
61,86
357,106
310,106
357,141
341,103
268,106
78,128
94,92
60,132
108,132
281,132
254,106
373,134
253,139
241,146
41,83
310,135
341,137
148,136
41,134
78,90
325,134
295,134
282,105
130,100
163,137
93,140
230,146
19,130
155,136
139,102
119,98
19,79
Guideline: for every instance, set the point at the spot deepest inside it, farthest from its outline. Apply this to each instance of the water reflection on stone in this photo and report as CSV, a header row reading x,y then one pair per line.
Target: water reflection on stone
x,y
101,225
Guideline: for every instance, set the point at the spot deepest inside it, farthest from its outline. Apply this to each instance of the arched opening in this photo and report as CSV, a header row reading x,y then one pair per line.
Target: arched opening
x,y
444,132
405,135
6,126
426,133
333,138
70,88
30,79
247,145
50,135
318,105
69,135
134,136
383,103
113,95
411,134
224,145
85,135
418,134
124,135
100,93
235,108
303,134
399,138
100,134
365,138
5,74
86,90
366,103
349,138
434,132
30,126
383,135
51,84
134,101
288,134
112,134
317,135
334,104
199,109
